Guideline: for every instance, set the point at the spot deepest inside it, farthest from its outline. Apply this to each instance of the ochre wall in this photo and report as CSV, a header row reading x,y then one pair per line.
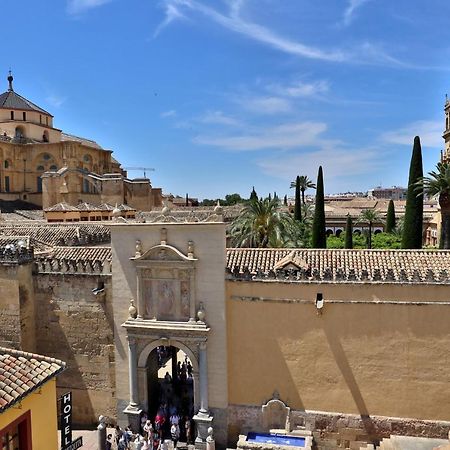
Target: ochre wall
x,y
42,404
74,325
362,358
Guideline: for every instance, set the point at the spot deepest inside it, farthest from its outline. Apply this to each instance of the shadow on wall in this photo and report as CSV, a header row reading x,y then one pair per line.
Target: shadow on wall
x,y
74,328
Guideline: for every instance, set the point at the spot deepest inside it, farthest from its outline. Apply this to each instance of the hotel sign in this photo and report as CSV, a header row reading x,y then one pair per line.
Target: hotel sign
x,y
66,424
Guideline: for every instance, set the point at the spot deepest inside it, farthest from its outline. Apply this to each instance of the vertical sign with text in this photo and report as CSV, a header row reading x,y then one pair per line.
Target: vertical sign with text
x,y
66,419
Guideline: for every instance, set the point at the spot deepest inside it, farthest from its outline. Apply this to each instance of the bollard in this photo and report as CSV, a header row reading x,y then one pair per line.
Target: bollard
x,y
101,433
210,442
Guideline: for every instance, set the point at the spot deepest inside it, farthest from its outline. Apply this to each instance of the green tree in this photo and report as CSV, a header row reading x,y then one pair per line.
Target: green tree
x,y
437,184
285,200
305,183
370,217
298,205
390,217
413,224
349,232
319,237
232,199
386,240
262,223
253,194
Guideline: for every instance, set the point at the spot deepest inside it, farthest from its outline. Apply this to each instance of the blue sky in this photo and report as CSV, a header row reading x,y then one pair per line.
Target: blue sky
x,y
221,95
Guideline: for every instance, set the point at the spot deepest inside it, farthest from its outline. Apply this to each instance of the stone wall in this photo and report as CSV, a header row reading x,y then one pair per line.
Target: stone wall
x,y
76,326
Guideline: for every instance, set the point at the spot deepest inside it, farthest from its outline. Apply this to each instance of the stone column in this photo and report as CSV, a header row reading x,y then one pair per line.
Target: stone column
x,y
132,410
203,419
203,369
101,433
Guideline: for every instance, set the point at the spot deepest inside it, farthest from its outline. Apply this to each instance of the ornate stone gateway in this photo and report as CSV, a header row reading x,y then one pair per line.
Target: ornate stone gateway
x,y
167,315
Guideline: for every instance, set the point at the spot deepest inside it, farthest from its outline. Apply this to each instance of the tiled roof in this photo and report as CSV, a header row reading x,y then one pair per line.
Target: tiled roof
x,y
62,206
85,206
81,140
82,253
44,235
21,373
346,265
12,100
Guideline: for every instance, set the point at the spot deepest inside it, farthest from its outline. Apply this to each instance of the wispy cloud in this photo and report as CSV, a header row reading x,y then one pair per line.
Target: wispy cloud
x,y
285,136
170,113
300,88
349,12
265,104
218,118
430,132
338,163
172,13
55,100
365,53
76,7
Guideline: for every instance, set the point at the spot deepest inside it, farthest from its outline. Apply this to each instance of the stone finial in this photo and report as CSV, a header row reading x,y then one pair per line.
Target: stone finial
x,y
132,311
190,249
218,208
201,312
138,253
166,210
116,212
163,236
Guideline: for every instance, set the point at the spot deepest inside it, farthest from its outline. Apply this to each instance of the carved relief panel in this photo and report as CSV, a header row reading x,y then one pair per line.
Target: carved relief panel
x,y
166,285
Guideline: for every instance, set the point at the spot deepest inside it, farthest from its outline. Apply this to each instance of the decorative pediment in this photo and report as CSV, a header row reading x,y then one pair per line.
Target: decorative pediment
x,y
292,261
163,252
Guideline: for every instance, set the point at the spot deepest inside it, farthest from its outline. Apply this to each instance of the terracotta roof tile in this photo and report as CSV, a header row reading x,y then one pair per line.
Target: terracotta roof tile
x,y
343,265
23,373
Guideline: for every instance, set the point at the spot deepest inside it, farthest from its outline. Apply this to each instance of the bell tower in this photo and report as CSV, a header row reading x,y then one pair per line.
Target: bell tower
x,y
446,134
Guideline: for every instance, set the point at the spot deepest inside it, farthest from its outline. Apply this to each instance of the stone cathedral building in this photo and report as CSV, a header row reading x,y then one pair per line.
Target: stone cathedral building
x,y
43,165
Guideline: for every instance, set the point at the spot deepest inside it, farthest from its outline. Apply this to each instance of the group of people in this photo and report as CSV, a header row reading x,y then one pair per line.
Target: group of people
x,y
166,425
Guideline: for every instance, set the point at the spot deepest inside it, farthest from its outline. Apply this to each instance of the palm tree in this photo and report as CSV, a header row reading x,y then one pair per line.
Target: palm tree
x,y
370,217
437,184
305,183
262,223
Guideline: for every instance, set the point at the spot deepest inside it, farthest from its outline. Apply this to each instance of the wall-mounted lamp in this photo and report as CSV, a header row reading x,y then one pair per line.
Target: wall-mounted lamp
x,y
320,302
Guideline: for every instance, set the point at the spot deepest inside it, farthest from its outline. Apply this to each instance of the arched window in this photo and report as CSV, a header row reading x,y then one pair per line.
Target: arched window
x,y
87,158
40,168
46,157
45,136
53,168
20,132
7,164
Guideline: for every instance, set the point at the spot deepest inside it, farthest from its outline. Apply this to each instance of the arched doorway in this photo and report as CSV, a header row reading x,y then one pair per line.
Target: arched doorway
x,y
170,387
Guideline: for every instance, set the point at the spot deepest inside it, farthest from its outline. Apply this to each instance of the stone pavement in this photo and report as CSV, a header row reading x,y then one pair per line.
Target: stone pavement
x,y
89,438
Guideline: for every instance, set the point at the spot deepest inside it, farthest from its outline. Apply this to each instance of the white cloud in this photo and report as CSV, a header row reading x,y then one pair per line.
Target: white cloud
x,y
79,6
336,162
170,113
352,6
286,136
362,54
265,105
430,132
172,13
300,88
55,100
219,118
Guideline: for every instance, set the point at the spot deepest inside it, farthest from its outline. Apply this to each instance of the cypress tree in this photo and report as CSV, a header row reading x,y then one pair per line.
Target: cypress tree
x,y
269,197
349,232
285,200
390,217
413,224
319,237
253,194
187,200
298,204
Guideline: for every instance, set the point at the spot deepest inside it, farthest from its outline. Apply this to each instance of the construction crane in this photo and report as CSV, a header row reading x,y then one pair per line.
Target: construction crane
x,y
144,169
